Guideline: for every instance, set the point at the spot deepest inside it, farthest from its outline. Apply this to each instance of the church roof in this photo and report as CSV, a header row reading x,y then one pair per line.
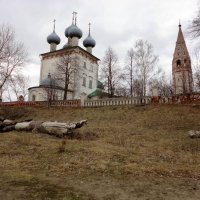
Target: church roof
x,y
67,49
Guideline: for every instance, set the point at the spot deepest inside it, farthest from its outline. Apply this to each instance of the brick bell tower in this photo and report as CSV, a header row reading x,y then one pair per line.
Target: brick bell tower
x,y
181,67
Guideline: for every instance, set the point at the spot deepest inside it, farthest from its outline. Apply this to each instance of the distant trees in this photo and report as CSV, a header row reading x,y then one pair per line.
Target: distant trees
x,y
12,55
141,67
110,71
67,69
162,84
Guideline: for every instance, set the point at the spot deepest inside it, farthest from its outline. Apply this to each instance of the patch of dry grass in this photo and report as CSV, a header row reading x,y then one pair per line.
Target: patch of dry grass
x,y
122,149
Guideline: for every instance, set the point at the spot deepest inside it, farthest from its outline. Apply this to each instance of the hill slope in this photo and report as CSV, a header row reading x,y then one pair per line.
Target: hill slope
x,y
123,153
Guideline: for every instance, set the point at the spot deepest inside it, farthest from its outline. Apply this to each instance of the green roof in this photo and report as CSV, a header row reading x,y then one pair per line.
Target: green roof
x,y
100,85
97,92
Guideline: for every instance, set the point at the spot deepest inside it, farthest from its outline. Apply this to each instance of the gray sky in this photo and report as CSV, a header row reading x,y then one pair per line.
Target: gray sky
x,y
115,23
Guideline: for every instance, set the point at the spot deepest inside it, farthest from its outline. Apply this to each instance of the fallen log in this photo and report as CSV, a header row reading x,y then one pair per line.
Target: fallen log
x,y
8,128
57,129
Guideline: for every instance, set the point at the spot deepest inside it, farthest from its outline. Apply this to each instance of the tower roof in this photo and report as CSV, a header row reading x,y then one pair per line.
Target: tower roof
x,y
181,48
180,38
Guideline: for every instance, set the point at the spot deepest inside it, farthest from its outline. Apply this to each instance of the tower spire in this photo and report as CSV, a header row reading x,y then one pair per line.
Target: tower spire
x,y
179,25
75,13
54,25
89,27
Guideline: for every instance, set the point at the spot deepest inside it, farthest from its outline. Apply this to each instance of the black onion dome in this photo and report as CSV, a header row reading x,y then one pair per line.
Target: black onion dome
x,y
53,38
74,31
67,30
89,42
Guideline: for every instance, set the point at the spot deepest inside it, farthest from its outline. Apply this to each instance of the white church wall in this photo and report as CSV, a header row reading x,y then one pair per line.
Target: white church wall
x,y
48,66
40,94
86,68
89,71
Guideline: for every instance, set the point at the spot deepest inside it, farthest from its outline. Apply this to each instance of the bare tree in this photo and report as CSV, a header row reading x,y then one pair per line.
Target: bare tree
x,y
194,27
12,54
50,88
196,69
67,70
129,70
110,71
145,63
19,84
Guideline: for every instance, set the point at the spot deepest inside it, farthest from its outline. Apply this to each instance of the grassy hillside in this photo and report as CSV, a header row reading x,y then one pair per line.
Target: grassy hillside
x,y
123,153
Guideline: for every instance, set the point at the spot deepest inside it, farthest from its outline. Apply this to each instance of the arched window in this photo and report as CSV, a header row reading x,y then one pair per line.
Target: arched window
x,y
178,62
185,60
84,80
33,97
90,82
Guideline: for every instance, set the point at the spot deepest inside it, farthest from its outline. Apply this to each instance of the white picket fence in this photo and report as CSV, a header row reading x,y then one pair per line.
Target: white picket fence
x,y
117,101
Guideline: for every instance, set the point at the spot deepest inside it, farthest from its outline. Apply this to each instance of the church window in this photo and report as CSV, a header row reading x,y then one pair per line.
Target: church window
x,y
178,63
84,81
90,83
33,97
185,60
91,68
84,65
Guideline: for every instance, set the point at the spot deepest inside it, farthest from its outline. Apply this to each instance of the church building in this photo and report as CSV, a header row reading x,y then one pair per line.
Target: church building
x,y
181,67
71,68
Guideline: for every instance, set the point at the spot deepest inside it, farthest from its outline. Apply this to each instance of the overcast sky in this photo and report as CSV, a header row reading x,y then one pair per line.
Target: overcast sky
x,y
115,23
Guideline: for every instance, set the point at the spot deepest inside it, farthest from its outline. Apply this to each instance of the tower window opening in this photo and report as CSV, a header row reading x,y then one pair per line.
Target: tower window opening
x,y
178,63
185,60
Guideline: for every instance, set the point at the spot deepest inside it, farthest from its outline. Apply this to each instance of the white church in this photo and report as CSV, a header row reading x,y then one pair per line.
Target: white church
x,y
84,78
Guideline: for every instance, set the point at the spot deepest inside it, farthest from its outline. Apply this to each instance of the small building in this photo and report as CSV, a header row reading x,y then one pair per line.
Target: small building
x,y
81,65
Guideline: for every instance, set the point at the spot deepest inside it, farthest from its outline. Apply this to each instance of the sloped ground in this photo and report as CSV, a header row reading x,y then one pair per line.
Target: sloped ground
x,y
123,153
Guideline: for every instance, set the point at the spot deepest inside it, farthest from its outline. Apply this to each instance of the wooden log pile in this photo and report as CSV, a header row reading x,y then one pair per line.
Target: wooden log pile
x,y
57,129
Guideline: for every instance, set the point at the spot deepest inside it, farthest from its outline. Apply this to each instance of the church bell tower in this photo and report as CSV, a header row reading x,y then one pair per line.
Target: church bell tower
x,y
181,67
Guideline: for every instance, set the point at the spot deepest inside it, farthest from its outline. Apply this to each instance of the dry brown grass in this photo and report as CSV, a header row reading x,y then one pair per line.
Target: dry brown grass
x,y
123,153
